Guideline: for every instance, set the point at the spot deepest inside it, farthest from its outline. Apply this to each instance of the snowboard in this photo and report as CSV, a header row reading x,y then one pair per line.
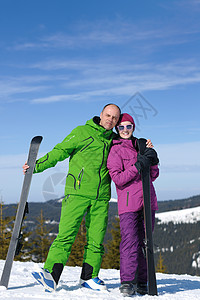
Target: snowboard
x,y
15,242
145,175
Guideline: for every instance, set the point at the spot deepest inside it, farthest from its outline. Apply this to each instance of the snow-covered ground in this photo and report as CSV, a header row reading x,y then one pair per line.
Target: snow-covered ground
x,y
189,215
24,287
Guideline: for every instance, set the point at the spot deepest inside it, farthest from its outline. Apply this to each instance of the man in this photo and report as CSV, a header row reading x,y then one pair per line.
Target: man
x,y
87,191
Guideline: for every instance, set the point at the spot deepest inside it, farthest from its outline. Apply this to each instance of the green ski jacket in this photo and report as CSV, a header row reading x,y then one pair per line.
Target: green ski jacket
x,y
88,147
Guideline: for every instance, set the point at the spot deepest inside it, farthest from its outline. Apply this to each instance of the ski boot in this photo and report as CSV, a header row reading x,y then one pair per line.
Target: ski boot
x,y
142,288
127,289
94,284
45,278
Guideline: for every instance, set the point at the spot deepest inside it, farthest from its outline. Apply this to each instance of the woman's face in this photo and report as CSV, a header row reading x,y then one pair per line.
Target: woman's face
x,y
125,132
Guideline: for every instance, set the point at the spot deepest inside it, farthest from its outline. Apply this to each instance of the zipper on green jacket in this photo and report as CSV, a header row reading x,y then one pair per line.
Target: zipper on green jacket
x,y
100,171
127,198
80,176
88,143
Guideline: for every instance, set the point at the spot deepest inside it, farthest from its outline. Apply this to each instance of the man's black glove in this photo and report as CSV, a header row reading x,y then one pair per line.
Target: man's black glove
x,y
151,154
142,162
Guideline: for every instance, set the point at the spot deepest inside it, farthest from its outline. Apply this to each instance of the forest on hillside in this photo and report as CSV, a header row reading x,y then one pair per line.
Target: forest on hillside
x,y
176,245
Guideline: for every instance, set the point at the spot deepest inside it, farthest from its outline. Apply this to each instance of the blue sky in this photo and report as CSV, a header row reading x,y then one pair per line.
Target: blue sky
x,y
62,61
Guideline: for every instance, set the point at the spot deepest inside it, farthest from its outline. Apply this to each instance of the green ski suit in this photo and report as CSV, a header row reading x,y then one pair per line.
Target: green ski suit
x,y
87,190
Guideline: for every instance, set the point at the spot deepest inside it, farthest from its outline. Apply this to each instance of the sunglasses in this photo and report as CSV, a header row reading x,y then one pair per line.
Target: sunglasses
x,y
122,127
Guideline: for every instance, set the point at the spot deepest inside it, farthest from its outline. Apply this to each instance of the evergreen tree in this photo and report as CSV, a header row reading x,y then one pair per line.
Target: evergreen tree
x,y
76,255
160,267
6,225
111,259
41,241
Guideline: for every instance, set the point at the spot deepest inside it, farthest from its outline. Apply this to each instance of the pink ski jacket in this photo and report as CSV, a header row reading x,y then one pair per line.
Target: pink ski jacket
x,y
126,177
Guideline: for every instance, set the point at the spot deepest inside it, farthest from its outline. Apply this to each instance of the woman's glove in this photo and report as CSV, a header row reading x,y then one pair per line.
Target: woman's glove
x,y
142,162
151,154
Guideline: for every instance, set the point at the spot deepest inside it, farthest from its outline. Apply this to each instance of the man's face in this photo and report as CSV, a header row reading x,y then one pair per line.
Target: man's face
x,y
109,117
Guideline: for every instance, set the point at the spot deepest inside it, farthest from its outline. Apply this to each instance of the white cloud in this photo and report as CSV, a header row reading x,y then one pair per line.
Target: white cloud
x,y
11,86
93,79
111,33
87,79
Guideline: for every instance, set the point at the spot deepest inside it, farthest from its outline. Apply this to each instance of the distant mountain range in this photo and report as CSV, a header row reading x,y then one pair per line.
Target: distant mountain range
x,y
178,204
176,234
51,208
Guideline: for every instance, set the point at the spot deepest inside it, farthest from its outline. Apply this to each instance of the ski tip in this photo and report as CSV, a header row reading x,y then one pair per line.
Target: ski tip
x,y
37,139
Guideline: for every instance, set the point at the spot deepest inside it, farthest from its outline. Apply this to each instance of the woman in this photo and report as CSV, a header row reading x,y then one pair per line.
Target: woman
x,y
123,164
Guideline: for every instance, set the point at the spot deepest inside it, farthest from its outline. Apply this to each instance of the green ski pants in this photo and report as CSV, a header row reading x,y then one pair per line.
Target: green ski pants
x,y
73,210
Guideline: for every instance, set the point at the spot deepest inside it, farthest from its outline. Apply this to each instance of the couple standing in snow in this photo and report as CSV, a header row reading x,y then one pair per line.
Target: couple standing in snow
x,y
88,191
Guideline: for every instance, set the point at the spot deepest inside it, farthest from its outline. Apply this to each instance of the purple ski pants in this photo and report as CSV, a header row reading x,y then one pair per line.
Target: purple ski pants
x,y
133,265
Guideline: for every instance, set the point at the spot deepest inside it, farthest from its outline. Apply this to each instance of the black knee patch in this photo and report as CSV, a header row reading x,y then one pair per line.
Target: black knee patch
x,y
86,273
57,271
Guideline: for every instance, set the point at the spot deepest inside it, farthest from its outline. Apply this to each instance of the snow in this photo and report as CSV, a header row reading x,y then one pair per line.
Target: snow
x,y
23,286
189,215
196,260
113,200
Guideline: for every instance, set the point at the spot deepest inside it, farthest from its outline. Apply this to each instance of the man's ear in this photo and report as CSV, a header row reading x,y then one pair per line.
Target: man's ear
x,y
101,115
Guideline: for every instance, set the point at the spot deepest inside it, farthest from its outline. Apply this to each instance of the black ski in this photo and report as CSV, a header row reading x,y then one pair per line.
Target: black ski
x,y
145,175
22,209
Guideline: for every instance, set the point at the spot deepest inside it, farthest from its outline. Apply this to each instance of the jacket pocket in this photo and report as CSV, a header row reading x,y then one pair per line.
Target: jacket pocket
x,y
127,198
73,179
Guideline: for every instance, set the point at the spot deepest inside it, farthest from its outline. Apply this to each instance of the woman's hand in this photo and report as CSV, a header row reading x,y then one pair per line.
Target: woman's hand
x,y
149,144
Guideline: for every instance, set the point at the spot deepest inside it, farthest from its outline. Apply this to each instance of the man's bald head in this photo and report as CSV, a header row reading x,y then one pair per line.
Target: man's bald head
x,y
109,116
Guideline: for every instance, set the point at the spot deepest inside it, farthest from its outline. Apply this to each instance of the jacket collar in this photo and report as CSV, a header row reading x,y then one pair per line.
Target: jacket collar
x,y
125,143
94,123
